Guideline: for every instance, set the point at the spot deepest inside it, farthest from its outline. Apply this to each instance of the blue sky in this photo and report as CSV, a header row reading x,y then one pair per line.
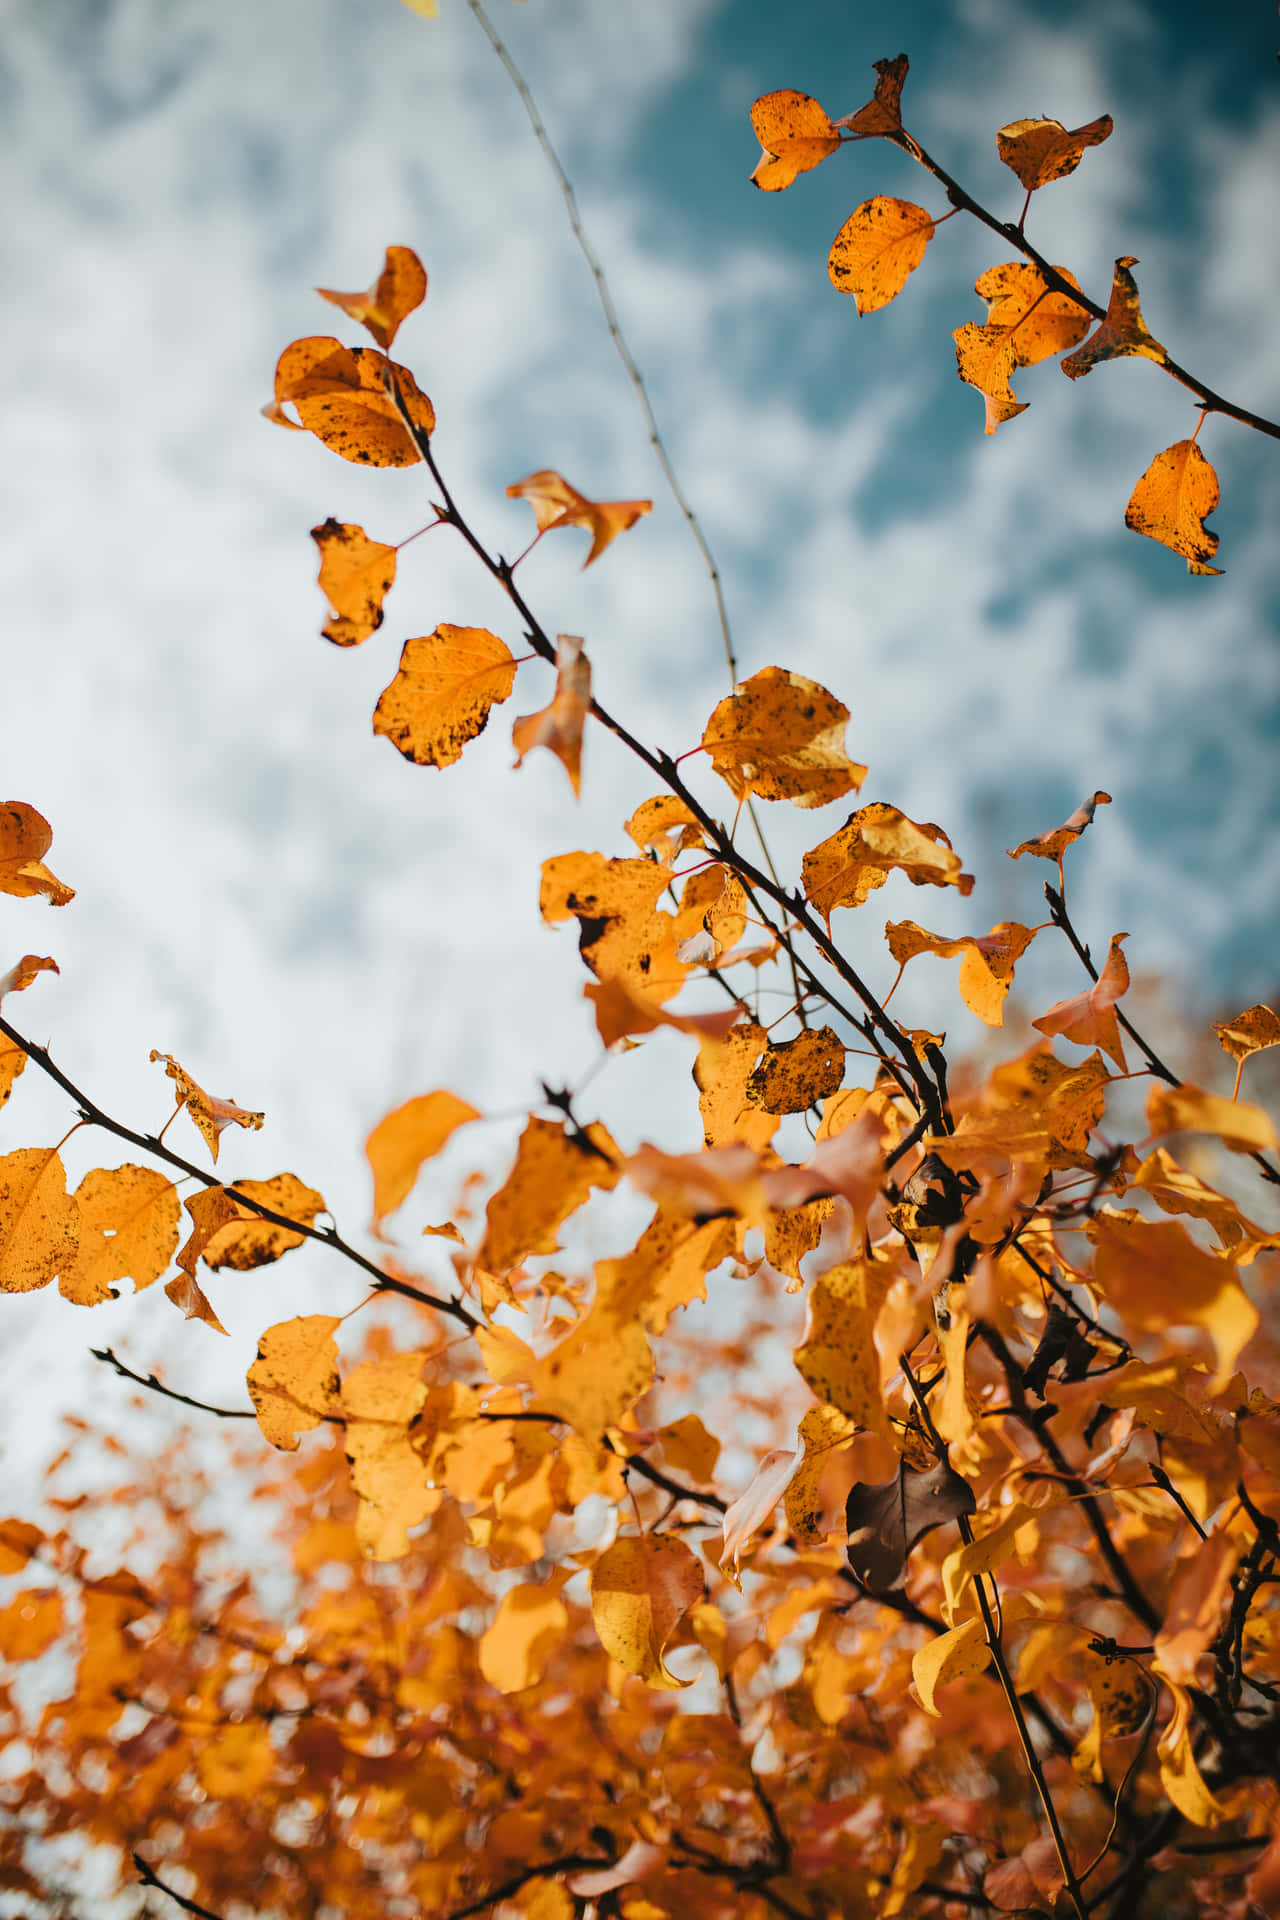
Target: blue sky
x,y
319,929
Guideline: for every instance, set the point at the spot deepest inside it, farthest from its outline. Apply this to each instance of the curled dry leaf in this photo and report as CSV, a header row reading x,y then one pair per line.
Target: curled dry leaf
x,y
443,690
885,1522
1043,150
1089,1018
25,838
355,573
883,112
211,1115
191,1301
796,134
843,870
877,249
986,966
23,972
404,1139
640,1591
558,727
1172,501
1123,331
398,289
347,397
745,1516
1052,845
781,736
556,504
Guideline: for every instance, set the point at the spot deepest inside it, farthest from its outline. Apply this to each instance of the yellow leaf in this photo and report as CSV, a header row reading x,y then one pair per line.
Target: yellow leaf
x,y
986,966
837,1359
983,1555
211,1115
554,1173
595,1375
781,736
1155,1276
426,9
250,1241
129,1221
796,134
293,1383
404,1139
859,857
556,504
355,574
25,838
442,692
24,971
1250,1031
1123,331
398,289
380,1400
620,1012
558,727
666,1269
1193,1609
823,1430
527,1628
1181,1777
1172,501
640,1591
1186,1109
235,1762
722,1074
346,397
878,247
688,1448
39,1221
1043,150
951,1656
624,935
1089,1018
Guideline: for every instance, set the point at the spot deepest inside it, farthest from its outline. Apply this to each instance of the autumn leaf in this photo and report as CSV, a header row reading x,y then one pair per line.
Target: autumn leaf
x,y
293,1383
666,824
554,1172
666,1269
796,135
722,1074
211,1209
624,935
211,1115
39,1221
1257,1027
1089,1018
687,1448
837,1359
355,573
559,726
781,736
398,289
191,1301
380,1399
1155,1276
1123,331
524,1633
885,1522
556,504
1042,150
1026,323
23,972
404,1140
129,1221
620,1012
30,1623
346,396
641,1589
25,838
883,112
798,1073
745,1516
986,968
444,687
13,1060
593,1377
843,870
1193,1609
1052,845
949,1656
877,249
824,1430
1240,1126
1172,501
250,1241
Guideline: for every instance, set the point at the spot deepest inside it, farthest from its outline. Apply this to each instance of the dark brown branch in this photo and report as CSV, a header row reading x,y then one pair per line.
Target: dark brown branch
x,y
153,1385
150,1879
569,1863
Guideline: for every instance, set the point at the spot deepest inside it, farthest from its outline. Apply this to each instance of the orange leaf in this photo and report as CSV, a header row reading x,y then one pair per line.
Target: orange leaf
x,y
23,973
717,1180
797,1073
1186,1109
18,1541
665,824
189,1297
1172,501
25,838
1250,1031
723,1069
1123,331
843,870
1042,150
985,359
1025,323
554,1173
404,1139
559,726
781,736
525,1631
1191,1614
745,1516
211,1209
556,504
129,1220
380,1400
39,1221
293,1383
594,1376
12,1061
640,1591
1052,845
796,135
878,247
624,935
883,113
986,970
442,692
620,1012
1089,1018
837,1359
250,1241
346,397
355,573
398,289
1155,1276
210,1114
30,1623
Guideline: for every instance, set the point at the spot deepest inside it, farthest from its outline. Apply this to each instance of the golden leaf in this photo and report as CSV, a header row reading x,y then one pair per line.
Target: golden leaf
x,y
1171,502
556,504
1089,1018
355,573
398,289
879,246
25,838
1250,1031
823,1430
554,1172
842,870
883,112
39,1221
624,936
1154,1276
949,1656
797,1073
251,1241
442,692
129,1222
837,1359
23,972
380,1400
986,966
722,1074
346,397
640,1591
404,1139
1039,151
1052,845
1239,1125
796,134
781,736
293,1383
1123,331
525,1631
211,1115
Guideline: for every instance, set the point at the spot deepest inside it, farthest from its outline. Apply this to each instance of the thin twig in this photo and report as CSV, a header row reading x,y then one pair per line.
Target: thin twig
x,y
151,1879
153,1385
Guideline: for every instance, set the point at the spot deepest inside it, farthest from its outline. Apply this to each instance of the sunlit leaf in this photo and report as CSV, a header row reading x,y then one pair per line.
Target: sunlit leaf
x,y
556,504
1171,502
293,1383
525,1631
380,1399
442,692
252,1241
1239,1125
554,1172
640,1591
1257,1027
39,1221
355,574
1123,331
25,838
795,133
798,1073
949,1656
24,971
1089,1018
398,289
781,736
404,1140
129,1224
986,966
346,396
844,869
211,1115
883,112
1043,150
1052,844
745,1516
837,1359
877,249
1154,1276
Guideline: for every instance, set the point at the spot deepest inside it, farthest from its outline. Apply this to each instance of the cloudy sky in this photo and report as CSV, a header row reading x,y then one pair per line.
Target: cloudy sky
x,y
318,928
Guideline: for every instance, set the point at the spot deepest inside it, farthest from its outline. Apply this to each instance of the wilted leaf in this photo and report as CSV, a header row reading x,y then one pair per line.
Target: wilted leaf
x,y
796,135
293,1383
556,504
346,397
1042,150
1171,502
524,1633
641,1589
559,726
554,1172
25,838
745,1516
211,1115
883,112
1123,331
442,692
797,1073
189,1297
404,1139
1052,845
398,289
39,1221
885,1522
129,1220
781,736
1089,1018
859,857
23,972
355,573
252,1241
1250,1031
879,246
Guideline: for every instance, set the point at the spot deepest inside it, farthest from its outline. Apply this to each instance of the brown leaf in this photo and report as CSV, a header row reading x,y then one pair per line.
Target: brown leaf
x,y
346,397
355,573
398,289
877,249
796,1073
25,838
211,1115
1172,501
559,726
1123,331
781,736
883,112
556,504
885,1522
1042,150
795,133
444,687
